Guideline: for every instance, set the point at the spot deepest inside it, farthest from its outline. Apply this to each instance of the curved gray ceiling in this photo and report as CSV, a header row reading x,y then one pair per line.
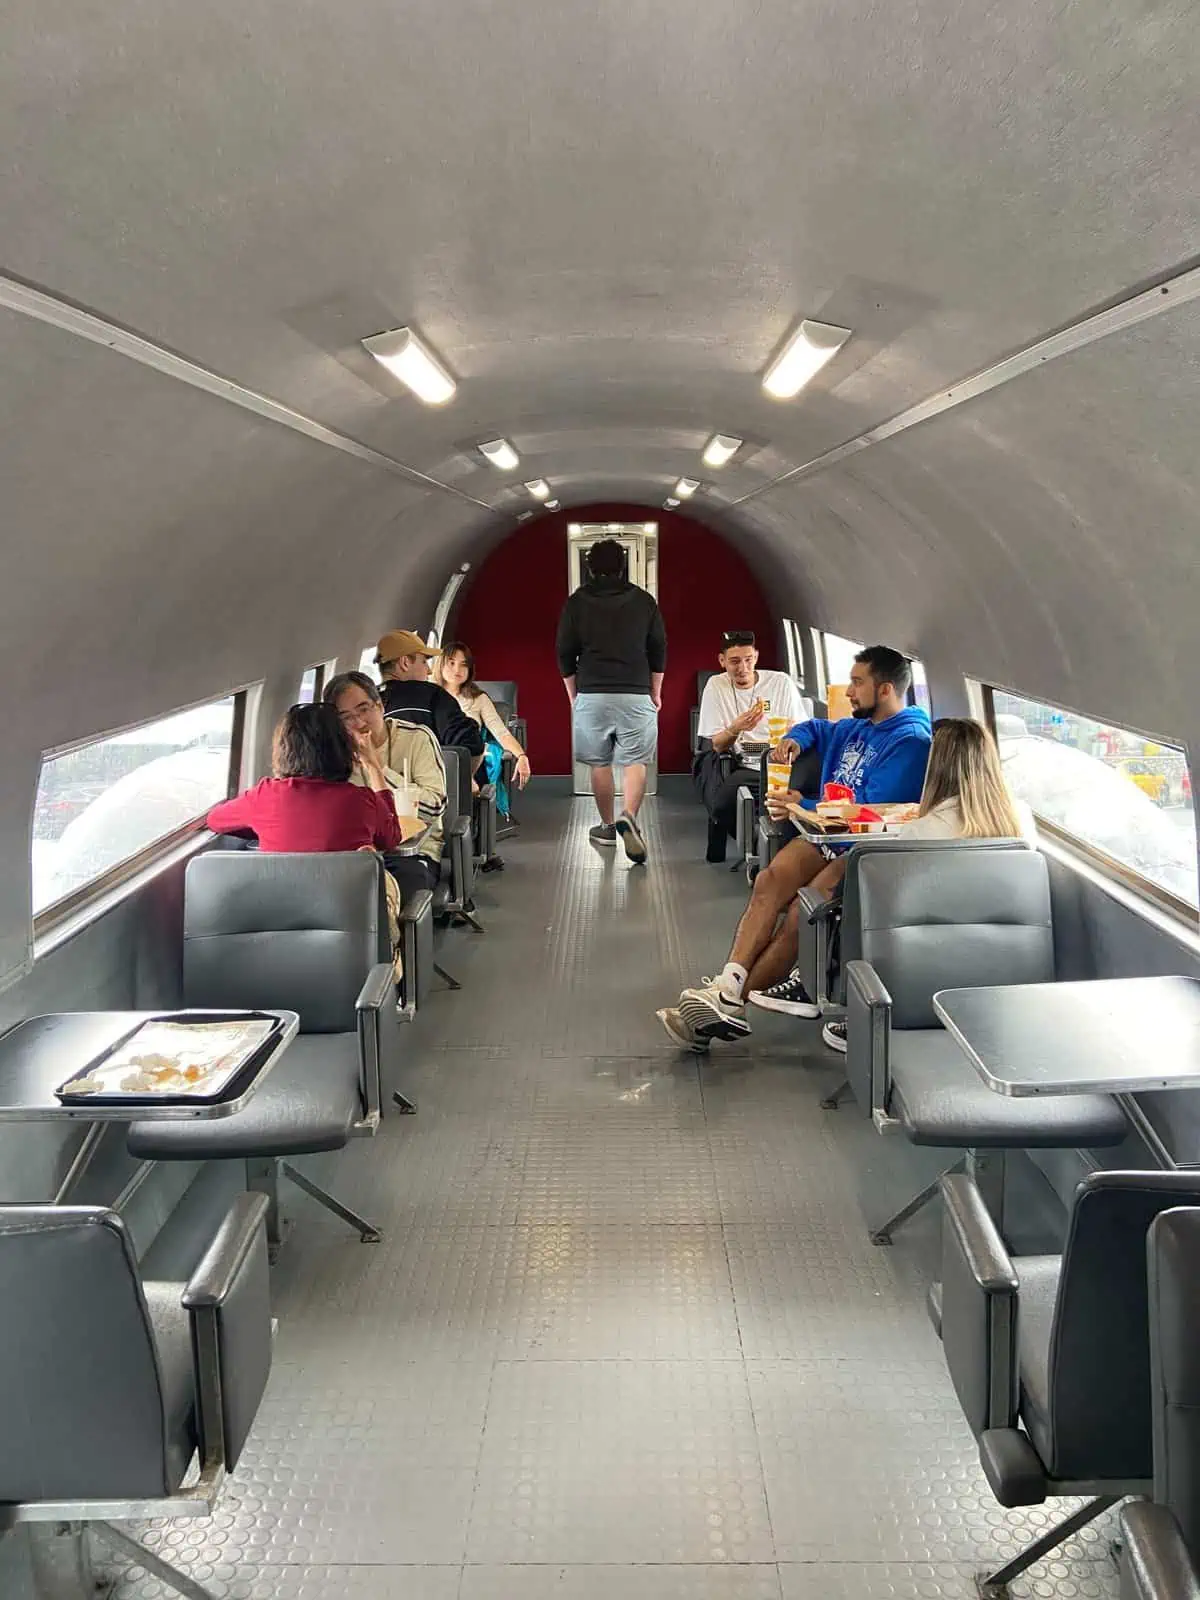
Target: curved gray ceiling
x,y
605,219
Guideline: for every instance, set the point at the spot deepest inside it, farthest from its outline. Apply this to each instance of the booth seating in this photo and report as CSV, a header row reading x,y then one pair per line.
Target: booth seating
x,y
1050,1355
1161,1556
951,919
307,933
110,1386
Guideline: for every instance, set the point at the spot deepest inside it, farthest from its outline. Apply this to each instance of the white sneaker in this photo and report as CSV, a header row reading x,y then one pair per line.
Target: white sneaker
x,y
680,1032
834,1035
710,1012
788,995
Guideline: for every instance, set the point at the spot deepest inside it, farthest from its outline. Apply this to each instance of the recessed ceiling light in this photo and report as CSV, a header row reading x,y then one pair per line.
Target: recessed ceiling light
x,y
670,502
574,528
539,489
649,527
551,505
722,447
403,354
501,455
686,487
806,352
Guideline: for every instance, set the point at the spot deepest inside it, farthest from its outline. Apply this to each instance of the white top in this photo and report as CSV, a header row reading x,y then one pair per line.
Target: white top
x,y
945,822
721,703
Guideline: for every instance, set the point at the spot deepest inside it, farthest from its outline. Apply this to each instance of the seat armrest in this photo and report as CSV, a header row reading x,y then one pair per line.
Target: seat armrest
x,y
818,906
979,1309
772,836
458,842
379,989
868,1033
229,1302
1155,1563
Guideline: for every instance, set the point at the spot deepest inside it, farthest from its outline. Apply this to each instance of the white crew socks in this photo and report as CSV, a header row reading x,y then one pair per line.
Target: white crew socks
x,y
732,979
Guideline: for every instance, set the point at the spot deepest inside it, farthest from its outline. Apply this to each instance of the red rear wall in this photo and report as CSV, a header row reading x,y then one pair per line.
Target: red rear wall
x,y
509,614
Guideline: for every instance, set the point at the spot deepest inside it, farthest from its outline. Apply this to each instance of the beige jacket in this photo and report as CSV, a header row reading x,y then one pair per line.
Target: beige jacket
x,y
417,746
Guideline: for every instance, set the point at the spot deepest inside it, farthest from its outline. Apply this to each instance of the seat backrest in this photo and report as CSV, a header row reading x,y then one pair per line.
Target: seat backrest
x,y
806,774
503,691
1099,1373
80,1389
297,932
458,784
701,679
947,914
1174,1317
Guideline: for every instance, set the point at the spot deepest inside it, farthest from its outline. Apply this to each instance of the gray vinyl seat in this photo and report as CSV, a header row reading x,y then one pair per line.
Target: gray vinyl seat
x,y
951,918
454,893
1050,1355
109,1385
1161,1556
306,933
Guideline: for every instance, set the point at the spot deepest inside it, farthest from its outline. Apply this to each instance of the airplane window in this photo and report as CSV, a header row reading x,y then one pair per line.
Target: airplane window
x,y
367,663
920,686
311,685
101,804
795,650
1124,794
839,657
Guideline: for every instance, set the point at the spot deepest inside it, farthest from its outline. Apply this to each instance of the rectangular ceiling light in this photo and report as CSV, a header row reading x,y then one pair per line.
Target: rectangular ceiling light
x,y
539,489
403,354
685,488
501,455
806,352
551,505
722,447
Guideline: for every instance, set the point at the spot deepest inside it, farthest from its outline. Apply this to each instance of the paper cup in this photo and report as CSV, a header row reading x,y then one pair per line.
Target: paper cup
x,y
778,777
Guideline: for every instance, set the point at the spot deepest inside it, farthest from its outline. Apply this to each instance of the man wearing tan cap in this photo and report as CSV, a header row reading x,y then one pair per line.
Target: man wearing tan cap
x,y
403,660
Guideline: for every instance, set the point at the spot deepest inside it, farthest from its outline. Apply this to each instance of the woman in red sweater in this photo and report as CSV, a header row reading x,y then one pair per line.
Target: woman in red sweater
x,y
310,804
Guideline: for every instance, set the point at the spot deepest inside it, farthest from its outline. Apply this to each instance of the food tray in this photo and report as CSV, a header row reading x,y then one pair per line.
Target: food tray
x,y
224,1049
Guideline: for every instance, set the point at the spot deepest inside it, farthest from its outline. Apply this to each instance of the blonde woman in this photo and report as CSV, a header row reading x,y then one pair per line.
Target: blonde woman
x,y
455,671
965,797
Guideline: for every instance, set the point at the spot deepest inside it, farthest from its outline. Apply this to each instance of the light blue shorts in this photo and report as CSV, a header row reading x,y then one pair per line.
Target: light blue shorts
x,y
615,730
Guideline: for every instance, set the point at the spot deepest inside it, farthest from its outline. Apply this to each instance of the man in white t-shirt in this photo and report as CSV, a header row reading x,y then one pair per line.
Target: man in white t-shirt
x,y
737,708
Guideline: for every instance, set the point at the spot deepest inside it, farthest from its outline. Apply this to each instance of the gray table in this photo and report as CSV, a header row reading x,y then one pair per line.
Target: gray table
x,y
1118,1036
39,1054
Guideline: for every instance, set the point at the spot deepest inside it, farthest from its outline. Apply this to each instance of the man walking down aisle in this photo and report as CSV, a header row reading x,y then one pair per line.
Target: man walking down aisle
x,y
612,653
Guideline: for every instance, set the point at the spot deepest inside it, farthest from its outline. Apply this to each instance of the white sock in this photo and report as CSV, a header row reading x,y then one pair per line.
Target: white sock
x,y
733,979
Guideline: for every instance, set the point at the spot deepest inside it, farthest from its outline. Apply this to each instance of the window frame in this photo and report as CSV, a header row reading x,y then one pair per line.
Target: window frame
x,y
1105,865
321,674
50,919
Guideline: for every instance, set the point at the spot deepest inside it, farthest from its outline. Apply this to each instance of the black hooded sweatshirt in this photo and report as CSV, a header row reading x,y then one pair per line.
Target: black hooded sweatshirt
x,y
611,638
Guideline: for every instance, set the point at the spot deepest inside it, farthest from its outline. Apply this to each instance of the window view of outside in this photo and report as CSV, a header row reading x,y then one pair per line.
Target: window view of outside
x,y
367,663
920,686
308,687
839,658
101,804
1119,792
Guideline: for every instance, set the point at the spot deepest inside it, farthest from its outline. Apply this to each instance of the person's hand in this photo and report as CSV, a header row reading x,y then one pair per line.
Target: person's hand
x,y
364,748
786,750
750,718
779,803
656,700
522,772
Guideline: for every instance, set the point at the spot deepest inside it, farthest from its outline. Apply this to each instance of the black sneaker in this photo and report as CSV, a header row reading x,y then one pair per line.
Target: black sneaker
x,y
834,1035
789,996
603,833
631,838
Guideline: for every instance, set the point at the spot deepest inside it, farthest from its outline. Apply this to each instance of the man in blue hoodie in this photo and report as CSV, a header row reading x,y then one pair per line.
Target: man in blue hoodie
x,y
879,752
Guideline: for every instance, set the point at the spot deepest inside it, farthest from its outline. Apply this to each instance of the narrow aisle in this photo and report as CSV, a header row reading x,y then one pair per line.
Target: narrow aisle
x,y
625,1334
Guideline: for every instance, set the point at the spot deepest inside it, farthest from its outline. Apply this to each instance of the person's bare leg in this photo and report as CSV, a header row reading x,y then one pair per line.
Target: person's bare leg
x,y
634,788
774,889
778,959
602,790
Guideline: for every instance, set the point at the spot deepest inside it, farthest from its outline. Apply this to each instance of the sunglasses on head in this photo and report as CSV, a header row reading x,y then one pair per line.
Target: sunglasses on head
x,y
736,638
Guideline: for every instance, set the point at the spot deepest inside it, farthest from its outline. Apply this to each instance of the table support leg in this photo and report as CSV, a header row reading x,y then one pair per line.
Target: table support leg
x,y
82,1160
1145,1130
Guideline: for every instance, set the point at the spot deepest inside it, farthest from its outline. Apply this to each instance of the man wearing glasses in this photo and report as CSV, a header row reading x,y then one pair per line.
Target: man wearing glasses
x,y
736,709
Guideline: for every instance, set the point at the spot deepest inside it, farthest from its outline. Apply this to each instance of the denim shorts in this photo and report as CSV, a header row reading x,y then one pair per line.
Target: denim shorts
x,y
615,729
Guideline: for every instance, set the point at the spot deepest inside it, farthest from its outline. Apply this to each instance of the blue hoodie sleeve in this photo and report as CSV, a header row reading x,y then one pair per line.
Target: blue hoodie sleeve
x,y
814,732
900,774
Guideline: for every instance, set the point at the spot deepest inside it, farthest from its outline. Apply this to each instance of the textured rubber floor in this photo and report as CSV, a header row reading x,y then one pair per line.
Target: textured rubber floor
x,y
625,1335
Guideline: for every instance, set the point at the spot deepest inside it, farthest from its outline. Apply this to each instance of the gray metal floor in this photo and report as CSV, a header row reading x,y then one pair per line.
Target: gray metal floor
x,y
625,1334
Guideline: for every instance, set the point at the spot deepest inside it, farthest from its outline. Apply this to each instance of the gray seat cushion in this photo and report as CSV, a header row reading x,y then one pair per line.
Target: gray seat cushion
x,y
172,1331
941,1100
308,1103
1038,1279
